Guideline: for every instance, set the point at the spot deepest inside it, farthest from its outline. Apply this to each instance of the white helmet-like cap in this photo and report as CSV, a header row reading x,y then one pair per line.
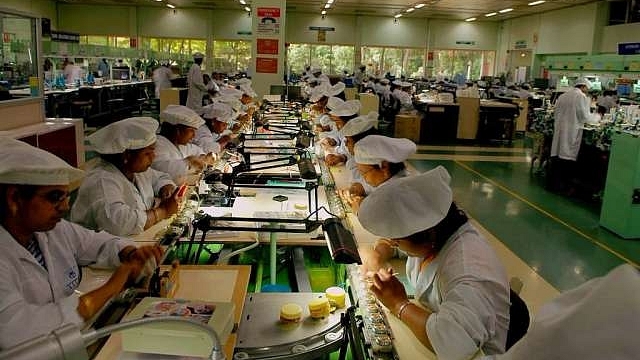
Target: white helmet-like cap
x,y
360,124
198,55
128,134
336,89
583,82
315,70
334,103
347,108
384,81
219,111
178,114
231,92
319,91
375,149
408,205
24,164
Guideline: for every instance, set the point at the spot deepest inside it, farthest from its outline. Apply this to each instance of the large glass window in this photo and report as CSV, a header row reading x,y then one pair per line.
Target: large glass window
x,y
470,64
19,56
231,56
407,62
175,46
332,58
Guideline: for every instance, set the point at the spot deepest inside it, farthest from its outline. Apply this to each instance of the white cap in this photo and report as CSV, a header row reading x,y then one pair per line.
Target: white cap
x,y
397,82
384,81
405,84
315,69
219,111
408,205
128,134
198,55
319,91
24,164
234,102
583,81
360,124
178,114
348,108
374,149
248,90
325,120
334,103
243,81
336,89
228,91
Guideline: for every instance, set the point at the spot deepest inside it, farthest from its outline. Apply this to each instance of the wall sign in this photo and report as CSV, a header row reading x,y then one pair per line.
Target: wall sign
x,y
520,44
465,42
323,28
268,21
628,48
63,36
267,46
267,65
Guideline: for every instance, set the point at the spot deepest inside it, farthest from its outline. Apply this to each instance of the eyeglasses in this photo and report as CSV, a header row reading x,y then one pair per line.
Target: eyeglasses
x,y
55,197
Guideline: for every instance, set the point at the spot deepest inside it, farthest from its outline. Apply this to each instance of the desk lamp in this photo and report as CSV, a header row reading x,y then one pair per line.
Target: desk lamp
x,y
68,343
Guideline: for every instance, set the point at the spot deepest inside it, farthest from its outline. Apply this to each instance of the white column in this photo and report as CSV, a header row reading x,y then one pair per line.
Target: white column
x,y
267,67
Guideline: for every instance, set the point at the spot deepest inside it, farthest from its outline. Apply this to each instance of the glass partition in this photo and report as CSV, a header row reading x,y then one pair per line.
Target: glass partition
x,y
18,57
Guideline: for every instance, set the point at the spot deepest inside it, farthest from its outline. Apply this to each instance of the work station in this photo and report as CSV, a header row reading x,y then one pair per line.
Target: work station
x,y
329,180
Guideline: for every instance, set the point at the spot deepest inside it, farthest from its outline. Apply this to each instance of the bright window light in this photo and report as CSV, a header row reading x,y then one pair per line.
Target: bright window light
x,y
536,3
491,14
505,10
470,19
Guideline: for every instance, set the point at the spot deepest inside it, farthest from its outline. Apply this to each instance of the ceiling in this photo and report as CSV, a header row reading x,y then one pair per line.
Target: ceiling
x,y
443,9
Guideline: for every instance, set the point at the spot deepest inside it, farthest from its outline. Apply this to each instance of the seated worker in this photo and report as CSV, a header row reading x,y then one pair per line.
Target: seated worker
x,y
248,95
119,193
597,320
333,142
175,154
459,282
232,98
213,136
41,253
380,161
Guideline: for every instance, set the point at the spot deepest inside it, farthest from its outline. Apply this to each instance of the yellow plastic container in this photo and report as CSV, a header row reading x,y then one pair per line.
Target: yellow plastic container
x,y
336,296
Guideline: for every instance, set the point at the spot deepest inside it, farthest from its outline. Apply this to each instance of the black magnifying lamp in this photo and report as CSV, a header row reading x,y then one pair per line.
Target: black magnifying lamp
x,y
68,343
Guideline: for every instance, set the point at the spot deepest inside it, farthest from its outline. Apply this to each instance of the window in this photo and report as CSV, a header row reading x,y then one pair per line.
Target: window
x,y
174,46
94,40
407,62
333,59
469,64
231,56
18,53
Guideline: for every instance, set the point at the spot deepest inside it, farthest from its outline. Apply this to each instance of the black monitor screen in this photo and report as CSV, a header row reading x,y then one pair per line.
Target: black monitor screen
x,y
121,73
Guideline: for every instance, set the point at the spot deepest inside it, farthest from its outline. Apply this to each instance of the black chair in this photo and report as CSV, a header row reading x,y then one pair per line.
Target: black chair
x,y
519,319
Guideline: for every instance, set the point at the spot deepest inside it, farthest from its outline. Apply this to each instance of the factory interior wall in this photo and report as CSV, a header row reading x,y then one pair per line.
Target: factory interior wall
x,y
612,35
297,28
38,8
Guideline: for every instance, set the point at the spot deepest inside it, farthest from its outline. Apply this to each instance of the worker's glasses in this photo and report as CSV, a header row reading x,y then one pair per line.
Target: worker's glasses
x,y
55,197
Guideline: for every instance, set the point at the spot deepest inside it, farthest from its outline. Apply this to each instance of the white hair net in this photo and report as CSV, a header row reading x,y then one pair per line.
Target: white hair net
x,y
178,114
360,124
375,149
128,134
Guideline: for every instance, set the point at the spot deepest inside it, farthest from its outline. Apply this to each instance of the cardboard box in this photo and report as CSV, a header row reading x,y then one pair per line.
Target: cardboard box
x,y
176,338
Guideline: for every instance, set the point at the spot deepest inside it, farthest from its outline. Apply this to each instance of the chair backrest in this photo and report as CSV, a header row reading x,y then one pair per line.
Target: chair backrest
x,y
519,319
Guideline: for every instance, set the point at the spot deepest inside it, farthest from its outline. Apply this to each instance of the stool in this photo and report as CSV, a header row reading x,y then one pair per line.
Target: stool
x,y
81,109
115,106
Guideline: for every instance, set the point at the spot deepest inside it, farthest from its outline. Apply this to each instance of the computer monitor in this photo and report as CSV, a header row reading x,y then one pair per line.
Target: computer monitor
x,y
121,73
541,83
636,88
596,85
623,89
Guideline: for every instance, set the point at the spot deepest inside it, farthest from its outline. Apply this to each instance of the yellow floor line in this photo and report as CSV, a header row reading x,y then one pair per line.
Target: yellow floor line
x,y
470,157
538,208
473,148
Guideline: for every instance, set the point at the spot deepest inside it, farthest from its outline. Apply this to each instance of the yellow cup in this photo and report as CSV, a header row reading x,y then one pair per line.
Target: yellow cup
x,y
336,296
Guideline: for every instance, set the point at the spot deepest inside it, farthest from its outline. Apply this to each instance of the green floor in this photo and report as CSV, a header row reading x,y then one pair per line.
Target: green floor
x,y
557,236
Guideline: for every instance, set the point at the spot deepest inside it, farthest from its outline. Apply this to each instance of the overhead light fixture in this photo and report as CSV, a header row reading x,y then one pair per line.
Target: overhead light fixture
x,y
470,19
323,12
491,14
248,9
536,3
158,0
171,6
397,16
505,10
409,10
418,6
330,1
243,2
327,6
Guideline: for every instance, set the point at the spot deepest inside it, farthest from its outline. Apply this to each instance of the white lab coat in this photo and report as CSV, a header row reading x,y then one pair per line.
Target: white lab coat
x,y
162,79
72,73
108,201
207,140
404,98
600,319
197,89
36,301
572,110
467,289
171,159
323,78
356,177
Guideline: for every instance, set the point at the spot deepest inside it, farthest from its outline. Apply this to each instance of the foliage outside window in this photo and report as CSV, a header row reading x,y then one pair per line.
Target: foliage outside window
x,y
174,46
333,59
231,55
407,62
471,64
18,52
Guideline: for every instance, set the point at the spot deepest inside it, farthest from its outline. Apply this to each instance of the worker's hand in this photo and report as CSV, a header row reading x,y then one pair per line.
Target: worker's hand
x,y
195,163
223,141
209,159
141,254
356,189
334,159
372,261
388,289
328,142
166,191
171,204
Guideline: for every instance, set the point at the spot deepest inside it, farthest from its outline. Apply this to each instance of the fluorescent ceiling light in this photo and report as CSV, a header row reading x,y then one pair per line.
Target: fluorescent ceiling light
x,y
323,12
158,0
536,3
243,2
171,6
505,10
397,16
326,6
329,1
418,6
409,10
248,9
470,19
491,14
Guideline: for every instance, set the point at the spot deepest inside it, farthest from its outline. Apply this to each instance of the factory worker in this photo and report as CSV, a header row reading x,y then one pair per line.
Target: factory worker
x,y
319,97
162,76
118,195
197,88
175,154
41,253
72,72
354,131
341,112
403,94
381,85
459,281
360,77
571,112
232,98
213,135
316,71
607,101
597,320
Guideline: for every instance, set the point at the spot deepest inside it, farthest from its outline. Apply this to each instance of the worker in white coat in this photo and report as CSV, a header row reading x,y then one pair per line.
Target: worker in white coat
x,y
41,253
119,193
572,111
459,282
162,76
599,319
175,154
213,136
195,82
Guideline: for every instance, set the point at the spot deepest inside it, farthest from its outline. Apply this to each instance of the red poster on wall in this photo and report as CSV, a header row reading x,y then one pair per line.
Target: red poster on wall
x,y
267,65
267,46
268,21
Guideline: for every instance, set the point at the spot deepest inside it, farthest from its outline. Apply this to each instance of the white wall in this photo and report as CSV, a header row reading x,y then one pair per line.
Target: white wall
x,y
612,35
298,28
227,23
98,20
38,8
382,31
176,23
444,34
568,31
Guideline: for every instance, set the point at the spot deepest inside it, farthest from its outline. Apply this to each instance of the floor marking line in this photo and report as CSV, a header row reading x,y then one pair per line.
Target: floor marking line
x,y
548,214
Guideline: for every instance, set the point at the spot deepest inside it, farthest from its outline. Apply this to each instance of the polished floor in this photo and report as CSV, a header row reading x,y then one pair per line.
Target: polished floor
x,y
551,242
